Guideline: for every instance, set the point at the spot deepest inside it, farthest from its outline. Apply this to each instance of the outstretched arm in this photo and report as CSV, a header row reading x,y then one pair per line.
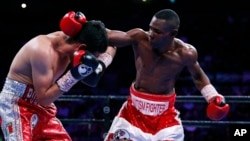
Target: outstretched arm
x,y
120,38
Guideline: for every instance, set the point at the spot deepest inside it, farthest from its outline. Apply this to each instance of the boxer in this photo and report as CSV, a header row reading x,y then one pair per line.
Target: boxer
x,y
149,113
39,75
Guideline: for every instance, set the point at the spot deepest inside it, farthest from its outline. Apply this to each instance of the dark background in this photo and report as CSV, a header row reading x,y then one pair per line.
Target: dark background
x,y
218,29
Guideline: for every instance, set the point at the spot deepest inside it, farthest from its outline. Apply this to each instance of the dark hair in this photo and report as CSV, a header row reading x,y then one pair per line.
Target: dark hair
x,y
169,15
94,35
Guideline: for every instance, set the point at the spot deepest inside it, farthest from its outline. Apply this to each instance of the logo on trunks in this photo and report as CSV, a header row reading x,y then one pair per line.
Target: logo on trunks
x,y
30,96
33,120
121,135
149,107
9,128
85,70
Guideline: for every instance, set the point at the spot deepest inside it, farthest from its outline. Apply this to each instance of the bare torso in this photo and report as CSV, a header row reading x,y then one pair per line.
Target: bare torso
x,y
21,67
156,72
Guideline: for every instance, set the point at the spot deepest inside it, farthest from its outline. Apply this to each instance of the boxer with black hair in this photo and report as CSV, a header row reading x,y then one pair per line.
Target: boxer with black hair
x,y
149,114
38,76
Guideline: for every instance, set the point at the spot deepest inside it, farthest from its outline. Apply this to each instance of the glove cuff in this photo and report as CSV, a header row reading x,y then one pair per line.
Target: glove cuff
x,y
66,82
105,58
208,92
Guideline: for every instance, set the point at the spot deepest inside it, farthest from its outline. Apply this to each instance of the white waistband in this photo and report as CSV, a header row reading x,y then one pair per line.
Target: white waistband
x,y
14,87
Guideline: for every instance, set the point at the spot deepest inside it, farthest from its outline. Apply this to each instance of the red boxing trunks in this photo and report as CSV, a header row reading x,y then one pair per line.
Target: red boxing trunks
x,y
147,117
23,119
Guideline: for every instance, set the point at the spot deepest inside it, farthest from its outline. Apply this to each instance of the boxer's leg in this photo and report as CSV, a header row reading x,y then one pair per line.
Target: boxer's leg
x,y
51,129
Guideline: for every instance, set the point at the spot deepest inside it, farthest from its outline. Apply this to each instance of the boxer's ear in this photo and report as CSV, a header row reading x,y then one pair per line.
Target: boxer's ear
x,y
174,32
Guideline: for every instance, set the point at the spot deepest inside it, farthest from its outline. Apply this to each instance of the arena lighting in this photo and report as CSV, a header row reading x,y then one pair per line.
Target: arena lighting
x,y
147,1
172,1
23,5
142,1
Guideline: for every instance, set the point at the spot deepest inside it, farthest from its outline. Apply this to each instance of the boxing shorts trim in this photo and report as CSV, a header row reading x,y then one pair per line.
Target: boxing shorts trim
x,y
151,104
148,117
23,91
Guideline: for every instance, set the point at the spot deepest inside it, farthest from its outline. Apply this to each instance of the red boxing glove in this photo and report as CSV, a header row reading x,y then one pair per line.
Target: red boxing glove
x,y
78,57
71,23
217,108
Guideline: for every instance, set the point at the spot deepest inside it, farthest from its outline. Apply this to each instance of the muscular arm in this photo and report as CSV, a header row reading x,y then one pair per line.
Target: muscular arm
x,y
120,39
217,108
43,76
199,77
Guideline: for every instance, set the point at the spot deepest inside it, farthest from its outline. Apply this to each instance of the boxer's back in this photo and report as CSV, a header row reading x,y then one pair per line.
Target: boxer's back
x,y
21,66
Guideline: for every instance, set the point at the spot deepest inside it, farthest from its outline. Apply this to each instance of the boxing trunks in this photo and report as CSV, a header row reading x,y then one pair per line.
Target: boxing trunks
x,y
22,119
147,117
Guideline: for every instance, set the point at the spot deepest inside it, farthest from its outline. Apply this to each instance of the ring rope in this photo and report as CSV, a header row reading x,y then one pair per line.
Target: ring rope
x,y
196,99
198,123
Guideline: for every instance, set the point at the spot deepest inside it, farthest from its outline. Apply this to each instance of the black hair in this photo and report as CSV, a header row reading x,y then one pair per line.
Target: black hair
x,y
169,15
94,35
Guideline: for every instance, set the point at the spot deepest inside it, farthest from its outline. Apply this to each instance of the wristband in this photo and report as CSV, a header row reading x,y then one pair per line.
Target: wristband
x,y
66,82
105,58
208,92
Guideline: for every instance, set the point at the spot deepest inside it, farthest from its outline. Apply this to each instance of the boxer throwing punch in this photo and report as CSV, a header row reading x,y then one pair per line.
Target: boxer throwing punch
x,y
149,113
38,76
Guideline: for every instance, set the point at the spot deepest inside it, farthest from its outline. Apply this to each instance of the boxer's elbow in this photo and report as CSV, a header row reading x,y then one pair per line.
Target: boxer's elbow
x,y
43,102
45,99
